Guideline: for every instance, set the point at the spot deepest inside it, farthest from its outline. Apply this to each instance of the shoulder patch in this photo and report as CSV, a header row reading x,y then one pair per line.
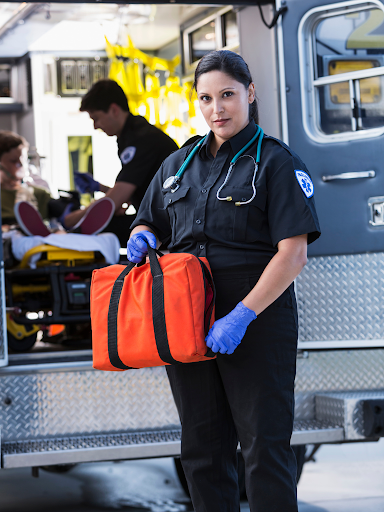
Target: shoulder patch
x,y
127,154
305,183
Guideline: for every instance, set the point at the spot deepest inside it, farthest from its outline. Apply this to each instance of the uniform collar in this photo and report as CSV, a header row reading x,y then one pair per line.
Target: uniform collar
x,y
242,138
128,125
237,142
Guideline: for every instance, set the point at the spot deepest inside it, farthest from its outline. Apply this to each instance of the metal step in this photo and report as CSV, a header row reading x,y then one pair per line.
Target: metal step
x,y
135,445
316,431
347,409
65,450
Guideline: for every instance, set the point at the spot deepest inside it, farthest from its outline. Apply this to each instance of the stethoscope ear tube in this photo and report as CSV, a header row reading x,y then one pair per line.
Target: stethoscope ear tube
x,y
259,134
173,182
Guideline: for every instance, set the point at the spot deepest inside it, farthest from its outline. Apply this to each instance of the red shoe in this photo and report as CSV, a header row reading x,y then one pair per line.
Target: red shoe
x,y
30,220
96,217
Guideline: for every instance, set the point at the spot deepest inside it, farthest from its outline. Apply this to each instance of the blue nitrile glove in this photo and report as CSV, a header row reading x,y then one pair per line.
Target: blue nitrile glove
x,y
137,247
226,334
85,183
67,210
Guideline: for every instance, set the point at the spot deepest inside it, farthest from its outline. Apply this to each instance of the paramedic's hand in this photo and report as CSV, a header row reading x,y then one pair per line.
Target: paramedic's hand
x,y
67,210
85,183
226,334
137,246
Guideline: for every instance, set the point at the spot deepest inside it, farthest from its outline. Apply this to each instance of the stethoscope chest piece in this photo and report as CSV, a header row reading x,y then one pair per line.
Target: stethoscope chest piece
x,y
173,182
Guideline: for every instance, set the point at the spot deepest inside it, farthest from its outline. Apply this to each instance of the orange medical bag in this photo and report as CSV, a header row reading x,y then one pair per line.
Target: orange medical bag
x,y
155,314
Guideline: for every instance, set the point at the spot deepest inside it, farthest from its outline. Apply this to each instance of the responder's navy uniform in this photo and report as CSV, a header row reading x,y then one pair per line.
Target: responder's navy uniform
x,y
141,148
246,396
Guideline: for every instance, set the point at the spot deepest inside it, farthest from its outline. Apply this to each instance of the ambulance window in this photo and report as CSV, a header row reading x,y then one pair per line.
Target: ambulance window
x,y
216,31
342,68
5,81
230,29
203,41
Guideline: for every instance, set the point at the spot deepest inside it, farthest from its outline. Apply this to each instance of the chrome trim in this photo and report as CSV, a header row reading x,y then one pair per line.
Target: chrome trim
x,y
309,101
345,344
345,77
36,356
327,435
281,65
47,368
140,451
349,175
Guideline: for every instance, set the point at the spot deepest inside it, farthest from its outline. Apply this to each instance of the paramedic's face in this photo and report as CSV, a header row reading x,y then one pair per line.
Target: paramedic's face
x,y
11,162
224,103
105,121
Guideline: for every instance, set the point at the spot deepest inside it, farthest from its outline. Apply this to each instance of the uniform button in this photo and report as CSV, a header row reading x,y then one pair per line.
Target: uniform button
x,y
243,198
170,201
201,246
204,190
198,221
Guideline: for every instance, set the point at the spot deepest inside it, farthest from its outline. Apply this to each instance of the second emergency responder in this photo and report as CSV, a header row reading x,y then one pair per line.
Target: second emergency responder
x,y
253,223
141,149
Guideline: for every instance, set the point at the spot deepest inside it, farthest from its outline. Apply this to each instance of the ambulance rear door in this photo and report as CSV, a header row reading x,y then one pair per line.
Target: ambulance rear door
x,y
331,61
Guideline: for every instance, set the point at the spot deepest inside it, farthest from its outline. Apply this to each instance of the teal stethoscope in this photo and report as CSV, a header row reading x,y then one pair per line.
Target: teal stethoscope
x,y
173,182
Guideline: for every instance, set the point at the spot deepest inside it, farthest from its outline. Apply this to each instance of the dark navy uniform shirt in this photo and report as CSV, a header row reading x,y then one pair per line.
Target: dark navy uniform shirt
x,y
141,148
231,236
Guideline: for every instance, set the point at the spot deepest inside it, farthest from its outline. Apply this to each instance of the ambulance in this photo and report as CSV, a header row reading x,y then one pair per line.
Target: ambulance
x,y
318,67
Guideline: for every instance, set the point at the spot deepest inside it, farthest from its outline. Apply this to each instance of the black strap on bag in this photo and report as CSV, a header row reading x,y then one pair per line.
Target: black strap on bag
x,y
112,319
158,312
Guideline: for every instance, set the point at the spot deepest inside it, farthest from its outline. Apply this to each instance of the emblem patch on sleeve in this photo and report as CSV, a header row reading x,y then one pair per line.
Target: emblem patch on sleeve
x,y
127,154
305,183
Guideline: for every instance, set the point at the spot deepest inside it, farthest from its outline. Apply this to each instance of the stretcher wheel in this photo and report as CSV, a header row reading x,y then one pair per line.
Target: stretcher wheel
x,y
21,345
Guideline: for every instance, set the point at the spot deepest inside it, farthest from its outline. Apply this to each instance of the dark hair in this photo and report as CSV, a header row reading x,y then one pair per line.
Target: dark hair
x,y
10,140
101,96
232,65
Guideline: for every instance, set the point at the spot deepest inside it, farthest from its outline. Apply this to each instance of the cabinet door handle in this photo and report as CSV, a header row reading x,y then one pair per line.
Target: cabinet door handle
x,y
349,175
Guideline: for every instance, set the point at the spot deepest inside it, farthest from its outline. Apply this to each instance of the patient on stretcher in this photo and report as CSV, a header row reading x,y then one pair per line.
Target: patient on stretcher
x,y
26,207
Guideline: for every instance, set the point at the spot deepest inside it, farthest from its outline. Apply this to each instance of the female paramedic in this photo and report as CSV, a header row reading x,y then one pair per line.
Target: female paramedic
x,y
245,201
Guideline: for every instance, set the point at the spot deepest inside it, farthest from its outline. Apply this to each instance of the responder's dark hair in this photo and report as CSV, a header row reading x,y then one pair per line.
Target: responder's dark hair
x,y
101,96
232,65
10,140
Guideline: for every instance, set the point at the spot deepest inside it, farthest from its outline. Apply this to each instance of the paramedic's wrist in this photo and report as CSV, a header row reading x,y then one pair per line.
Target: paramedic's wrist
x,y
227,332
85,182
137,247
244,314
66,212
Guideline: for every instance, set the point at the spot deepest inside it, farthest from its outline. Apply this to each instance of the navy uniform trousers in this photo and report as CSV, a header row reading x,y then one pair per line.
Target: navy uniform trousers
x,y
246,397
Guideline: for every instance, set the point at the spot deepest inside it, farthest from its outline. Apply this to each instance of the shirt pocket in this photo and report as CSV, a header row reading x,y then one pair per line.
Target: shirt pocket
x,y
176,204
250,219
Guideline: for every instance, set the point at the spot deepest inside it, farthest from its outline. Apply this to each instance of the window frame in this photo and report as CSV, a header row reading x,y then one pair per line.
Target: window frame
x,y
218,18
309,82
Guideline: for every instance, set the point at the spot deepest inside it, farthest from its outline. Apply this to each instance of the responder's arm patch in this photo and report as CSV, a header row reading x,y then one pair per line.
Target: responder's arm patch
x,y
305,183
127,154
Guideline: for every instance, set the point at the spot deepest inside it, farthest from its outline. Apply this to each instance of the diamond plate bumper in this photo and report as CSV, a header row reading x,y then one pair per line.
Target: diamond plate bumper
x,y
346,409
161,443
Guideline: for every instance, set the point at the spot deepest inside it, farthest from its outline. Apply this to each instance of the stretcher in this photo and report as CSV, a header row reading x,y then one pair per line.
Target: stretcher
x,y
54,293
